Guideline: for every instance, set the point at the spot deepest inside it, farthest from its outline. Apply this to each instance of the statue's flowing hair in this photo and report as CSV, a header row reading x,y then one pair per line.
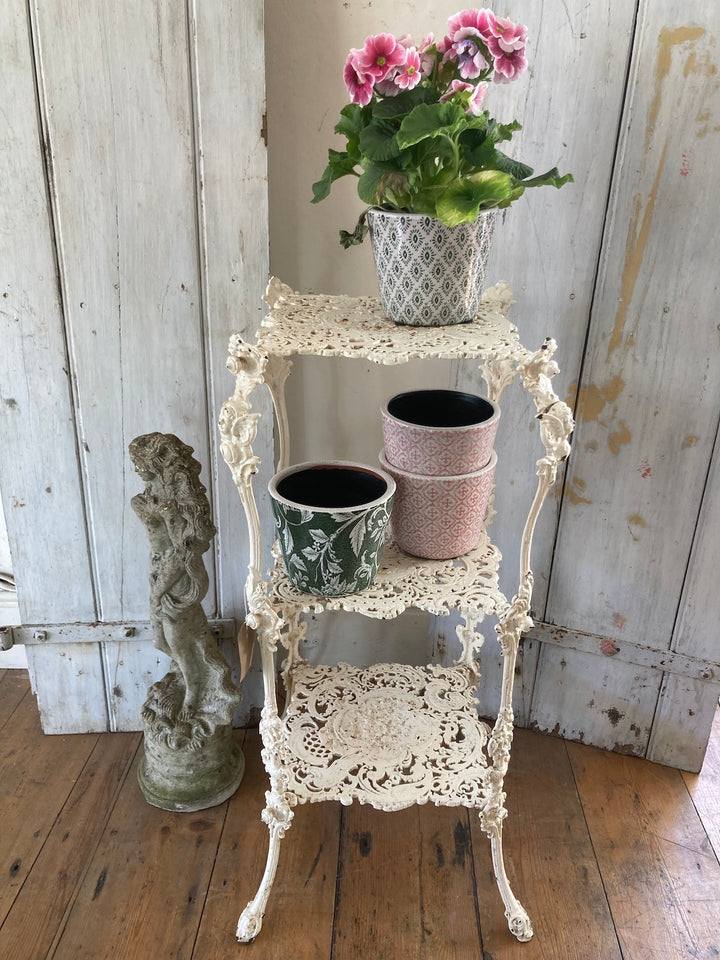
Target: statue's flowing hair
x,y
173,477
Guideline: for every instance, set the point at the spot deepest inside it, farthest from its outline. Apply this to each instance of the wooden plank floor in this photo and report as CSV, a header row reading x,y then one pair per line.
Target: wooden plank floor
x,y
612,856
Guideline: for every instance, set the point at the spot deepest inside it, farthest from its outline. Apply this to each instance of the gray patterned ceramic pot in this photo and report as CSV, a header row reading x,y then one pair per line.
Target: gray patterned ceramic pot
x,y
429,275
331,518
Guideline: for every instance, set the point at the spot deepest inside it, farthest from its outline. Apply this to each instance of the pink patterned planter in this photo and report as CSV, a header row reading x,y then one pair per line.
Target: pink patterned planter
x,y
439,517
439,432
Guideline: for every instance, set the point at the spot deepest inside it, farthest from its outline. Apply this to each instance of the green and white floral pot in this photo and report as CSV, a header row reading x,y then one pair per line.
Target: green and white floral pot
x,y
429,275
331,518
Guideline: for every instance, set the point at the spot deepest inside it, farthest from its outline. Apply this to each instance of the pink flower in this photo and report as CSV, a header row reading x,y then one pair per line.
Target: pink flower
x,y
427,56
473,103
476,100
411,74
468,30
457,86
510,36
507,47
478,20
467,52
380,55
359,85
509,66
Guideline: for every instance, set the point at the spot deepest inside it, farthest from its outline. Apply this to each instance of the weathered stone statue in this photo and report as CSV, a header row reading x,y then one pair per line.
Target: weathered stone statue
x,y
191,760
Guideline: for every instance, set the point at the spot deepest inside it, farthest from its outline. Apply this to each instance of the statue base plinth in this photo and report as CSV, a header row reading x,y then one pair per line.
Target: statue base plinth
x,y
184,780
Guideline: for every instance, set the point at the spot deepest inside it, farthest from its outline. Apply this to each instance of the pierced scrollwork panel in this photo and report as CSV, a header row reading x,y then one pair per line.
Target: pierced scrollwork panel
x,y
390,735
436,586
342,326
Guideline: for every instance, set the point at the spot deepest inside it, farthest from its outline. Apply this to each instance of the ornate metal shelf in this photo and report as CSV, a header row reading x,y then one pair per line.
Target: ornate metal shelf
x,y
339,326
468,583
389,735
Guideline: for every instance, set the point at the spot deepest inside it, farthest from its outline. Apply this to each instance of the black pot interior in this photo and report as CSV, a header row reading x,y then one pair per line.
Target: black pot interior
x,y
334,487
440,408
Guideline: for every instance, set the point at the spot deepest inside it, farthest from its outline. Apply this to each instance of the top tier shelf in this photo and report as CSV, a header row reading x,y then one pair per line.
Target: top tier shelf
x,y
341,326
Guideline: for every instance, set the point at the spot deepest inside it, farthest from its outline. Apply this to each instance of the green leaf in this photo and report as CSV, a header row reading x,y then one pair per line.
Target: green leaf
x,y
357,235
463,200
431,120
550,179
497,132
516,169
353,118
391,107
379,180
378,141
339,165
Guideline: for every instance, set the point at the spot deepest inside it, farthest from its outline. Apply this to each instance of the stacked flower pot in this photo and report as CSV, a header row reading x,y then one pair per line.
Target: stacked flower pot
x,y
439,450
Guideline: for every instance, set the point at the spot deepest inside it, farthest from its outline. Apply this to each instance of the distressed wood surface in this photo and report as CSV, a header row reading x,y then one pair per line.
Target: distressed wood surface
x,y
647,417
69,683
640,832
41,482
422,903
303,897
170,856
661,876
686,710
550,861
127,244
32,796
154,221
13,688
702,787
47,895
130,668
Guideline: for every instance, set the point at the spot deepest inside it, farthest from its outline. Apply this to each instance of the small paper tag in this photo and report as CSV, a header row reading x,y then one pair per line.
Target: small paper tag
x,y
246,643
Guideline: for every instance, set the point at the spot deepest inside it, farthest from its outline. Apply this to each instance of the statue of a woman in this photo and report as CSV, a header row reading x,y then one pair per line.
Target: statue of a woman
x,y
191,760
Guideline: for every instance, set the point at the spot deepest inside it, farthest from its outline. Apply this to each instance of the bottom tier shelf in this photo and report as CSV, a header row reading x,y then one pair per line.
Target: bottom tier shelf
x,y
389,735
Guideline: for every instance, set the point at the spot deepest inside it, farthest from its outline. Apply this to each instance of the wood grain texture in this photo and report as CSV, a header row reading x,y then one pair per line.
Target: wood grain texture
x,y
69,683
661,875
644,400
127,254
145,885
591,841
300,910
41,482
13,689
406,884
550,862
45,899
32,794
703,788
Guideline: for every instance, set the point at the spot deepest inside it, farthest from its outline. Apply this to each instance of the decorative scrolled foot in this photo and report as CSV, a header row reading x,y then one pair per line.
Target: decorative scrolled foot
x,y
517,918
249,924
519,924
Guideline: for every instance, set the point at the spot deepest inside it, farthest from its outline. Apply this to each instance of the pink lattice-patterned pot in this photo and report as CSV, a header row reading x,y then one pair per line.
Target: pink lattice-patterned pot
x,y
439,517
439,432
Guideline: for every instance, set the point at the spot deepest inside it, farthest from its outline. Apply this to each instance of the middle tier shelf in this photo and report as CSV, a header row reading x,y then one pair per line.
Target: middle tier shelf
x,y
468,583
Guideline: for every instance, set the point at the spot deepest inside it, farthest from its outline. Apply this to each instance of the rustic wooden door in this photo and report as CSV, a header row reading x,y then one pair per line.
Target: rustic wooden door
x,y
134,241
624,653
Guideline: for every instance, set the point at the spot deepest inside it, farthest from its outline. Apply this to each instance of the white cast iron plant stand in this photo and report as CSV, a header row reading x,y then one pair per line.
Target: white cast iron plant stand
x,y
390,735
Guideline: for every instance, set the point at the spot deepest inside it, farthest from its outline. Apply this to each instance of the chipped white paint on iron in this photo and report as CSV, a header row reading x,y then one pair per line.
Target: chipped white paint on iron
x,y
383,734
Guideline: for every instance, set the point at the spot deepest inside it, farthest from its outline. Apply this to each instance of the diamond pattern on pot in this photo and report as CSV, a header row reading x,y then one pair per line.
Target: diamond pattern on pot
x,y
439,517
429,274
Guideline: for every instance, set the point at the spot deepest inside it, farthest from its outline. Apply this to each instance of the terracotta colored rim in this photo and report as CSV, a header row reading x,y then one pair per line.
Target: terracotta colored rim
x,y
490,465
312,465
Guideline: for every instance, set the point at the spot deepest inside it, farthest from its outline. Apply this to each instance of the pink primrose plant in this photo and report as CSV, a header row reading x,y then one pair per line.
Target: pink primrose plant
x,y
419,136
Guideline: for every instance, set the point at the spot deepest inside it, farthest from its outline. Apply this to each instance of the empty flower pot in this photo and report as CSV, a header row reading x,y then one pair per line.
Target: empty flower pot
x,y
439,432
331,519
439,517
